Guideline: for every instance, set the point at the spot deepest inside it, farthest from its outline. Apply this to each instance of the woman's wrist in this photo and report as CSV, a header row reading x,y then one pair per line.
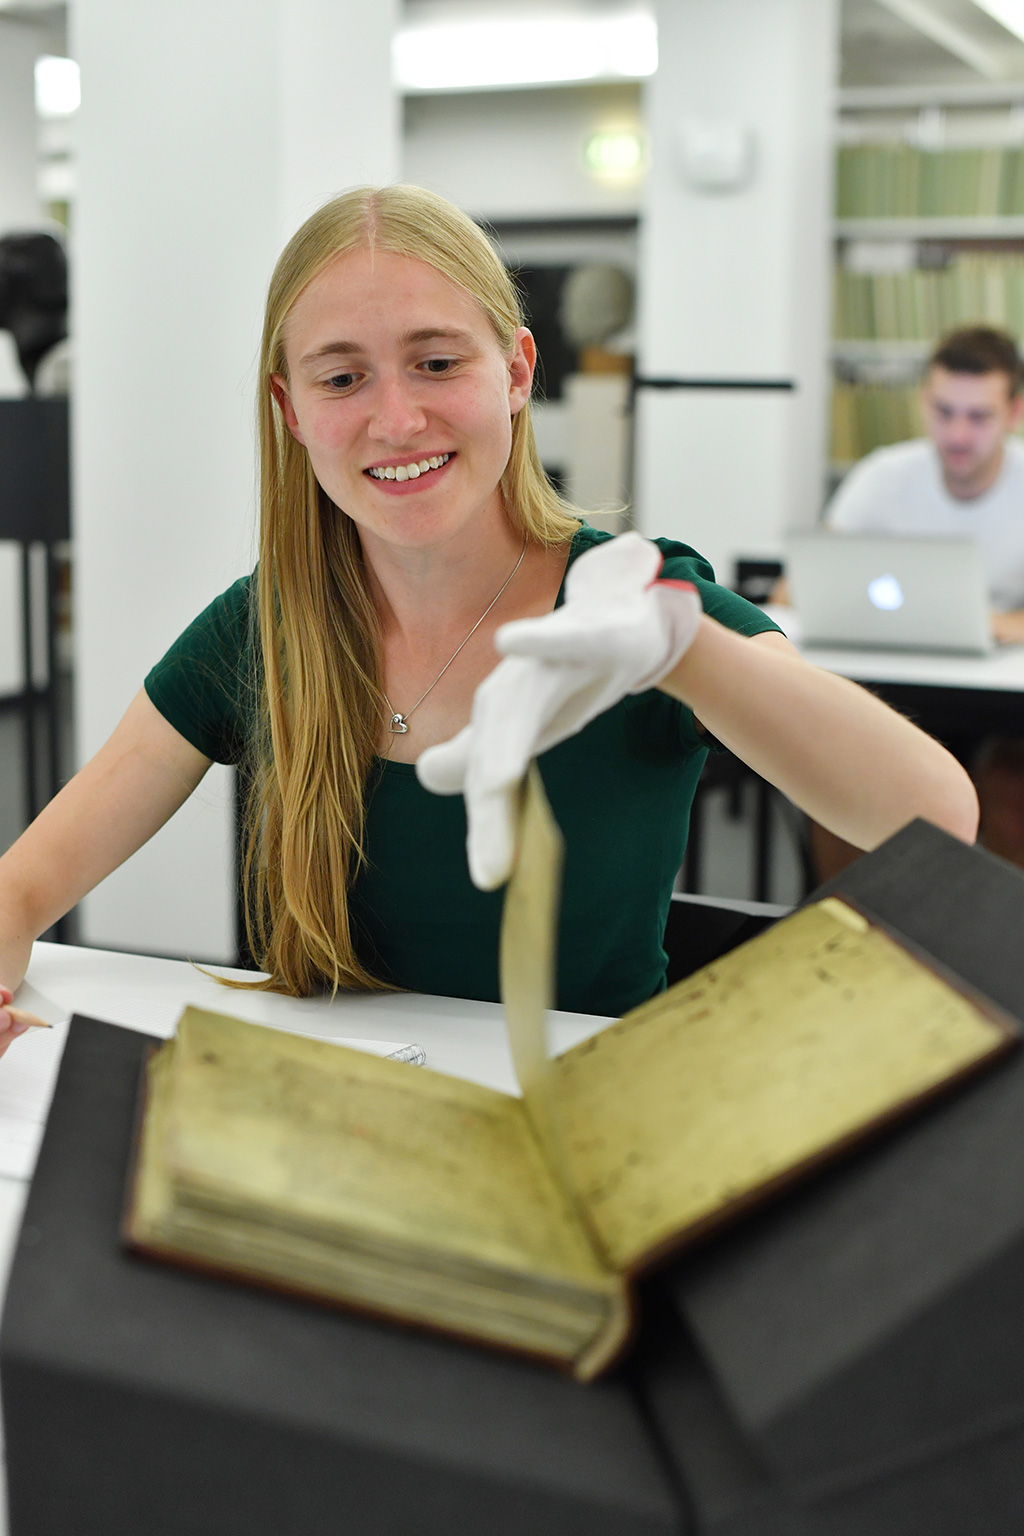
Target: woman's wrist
x,y
17,936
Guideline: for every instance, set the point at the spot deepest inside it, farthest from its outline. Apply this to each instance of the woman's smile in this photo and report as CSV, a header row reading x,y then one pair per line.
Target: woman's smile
x,y
409,476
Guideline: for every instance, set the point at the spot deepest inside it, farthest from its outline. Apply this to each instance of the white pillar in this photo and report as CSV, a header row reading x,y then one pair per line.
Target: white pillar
x,y
20,45
206,132
735,282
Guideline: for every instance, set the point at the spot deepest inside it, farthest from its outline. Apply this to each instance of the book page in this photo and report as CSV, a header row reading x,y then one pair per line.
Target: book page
x,y
754,1066
309,1135
529,929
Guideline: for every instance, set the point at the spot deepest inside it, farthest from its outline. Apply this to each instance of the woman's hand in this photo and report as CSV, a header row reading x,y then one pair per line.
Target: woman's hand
x,y
1008,628
619,631
108,810
12,1022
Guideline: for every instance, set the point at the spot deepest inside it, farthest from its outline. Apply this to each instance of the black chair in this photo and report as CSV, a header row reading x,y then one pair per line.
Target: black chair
x,y
703,928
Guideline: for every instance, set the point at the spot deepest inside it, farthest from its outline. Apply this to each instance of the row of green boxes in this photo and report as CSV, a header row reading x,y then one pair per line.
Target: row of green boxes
x,y
921,304
900,181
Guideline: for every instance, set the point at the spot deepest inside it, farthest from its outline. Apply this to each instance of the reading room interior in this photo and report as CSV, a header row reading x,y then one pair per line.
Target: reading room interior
x,y
579,1092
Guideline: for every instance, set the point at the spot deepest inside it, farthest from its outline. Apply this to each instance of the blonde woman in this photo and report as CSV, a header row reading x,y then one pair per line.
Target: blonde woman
x,y
408,539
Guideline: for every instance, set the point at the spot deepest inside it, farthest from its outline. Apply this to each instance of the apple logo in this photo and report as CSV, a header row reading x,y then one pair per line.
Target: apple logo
x,y
885,592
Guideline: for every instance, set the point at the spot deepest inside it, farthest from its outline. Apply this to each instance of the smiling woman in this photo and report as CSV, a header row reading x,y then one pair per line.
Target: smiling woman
x,y
416,562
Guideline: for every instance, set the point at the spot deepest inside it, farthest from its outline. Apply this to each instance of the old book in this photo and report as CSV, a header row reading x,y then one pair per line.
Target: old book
x,y
520,1222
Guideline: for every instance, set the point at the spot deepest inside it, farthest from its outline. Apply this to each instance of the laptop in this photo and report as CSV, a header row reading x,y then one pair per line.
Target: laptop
x,y
893,593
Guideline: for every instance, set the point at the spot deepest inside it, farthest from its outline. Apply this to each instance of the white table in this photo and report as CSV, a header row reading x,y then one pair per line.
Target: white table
x,y
958,699
464,1038
459,1036
1002,671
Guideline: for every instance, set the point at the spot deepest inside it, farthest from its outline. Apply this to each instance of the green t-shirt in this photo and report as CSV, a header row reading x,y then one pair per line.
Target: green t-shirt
x,y
621,791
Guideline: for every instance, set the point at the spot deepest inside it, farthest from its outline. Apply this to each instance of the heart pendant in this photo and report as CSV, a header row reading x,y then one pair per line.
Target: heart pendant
x,y
398,726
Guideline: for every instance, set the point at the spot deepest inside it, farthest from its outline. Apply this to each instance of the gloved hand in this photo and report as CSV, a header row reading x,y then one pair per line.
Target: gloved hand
x,y
619,631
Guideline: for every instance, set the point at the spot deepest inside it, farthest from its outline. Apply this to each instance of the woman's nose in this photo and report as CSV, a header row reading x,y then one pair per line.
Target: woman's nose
x,y
397,415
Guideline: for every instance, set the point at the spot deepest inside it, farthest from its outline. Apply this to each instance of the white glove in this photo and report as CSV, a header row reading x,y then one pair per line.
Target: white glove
x,y
619,631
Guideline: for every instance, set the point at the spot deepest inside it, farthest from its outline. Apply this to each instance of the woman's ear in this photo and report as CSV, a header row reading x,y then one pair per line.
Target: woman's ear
x,y
520,369
279,389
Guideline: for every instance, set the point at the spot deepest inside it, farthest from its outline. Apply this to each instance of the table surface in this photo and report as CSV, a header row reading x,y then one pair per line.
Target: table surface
x,y
460,1036
1001,671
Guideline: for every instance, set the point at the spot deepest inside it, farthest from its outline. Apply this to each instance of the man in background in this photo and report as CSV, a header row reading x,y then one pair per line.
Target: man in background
x,y
966,478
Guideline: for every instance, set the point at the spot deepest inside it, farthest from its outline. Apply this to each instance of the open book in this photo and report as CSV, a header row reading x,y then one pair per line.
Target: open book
x,y
520,1221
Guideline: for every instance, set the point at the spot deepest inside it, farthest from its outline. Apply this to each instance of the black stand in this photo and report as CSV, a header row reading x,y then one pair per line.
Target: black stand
x,y
34,510
851,1360
138,1398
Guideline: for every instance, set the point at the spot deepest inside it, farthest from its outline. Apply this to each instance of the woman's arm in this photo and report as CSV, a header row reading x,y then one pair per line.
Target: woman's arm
x,y
108,810
840,754
853,764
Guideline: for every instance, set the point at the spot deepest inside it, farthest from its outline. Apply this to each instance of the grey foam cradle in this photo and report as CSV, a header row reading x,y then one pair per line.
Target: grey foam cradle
x,y
142,1399
852,1360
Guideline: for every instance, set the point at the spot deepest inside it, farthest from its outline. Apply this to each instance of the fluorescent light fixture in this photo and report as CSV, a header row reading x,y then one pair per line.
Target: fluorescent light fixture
x,y
58,86
614,154
1009,13
531,50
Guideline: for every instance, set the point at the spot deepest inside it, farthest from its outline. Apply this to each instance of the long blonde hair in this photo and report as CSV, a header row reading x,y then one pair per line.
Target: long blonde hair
x,y
319,699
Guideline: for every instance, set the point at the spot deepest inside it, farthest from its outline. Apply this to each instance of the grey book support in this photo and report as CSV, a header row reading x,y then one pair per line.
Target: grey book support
x,y
852,1360
140,1398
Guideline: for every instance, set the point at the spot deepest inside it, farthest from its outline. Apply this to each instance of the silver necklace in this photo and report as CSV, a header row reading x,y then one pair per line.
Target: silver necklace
x,y
398,723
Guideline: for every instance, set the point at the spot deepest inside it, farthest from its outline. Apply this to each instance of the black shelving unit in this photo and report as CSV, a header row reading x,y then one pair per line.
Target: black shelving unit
x,y
35,511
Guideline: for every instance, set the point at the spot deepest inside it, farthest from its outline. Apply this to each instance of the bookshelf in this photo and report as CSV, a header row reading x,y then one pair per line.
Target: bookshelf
x,y
929,232
992,227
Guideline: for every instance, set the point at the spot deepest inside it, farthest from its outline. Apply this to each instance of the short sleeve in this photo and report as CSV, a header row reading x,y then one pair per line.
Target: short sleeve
x,y
657,713
206,685
684,564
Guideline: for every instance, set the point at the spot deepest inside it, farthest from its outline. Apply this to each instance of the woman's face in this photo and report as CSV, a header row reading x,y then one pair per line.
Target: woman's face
x,y
403,399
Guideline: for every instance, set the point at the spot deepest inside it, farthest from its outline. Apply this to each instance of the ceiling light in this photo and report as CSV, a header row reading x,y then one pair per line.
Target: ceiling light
x,y
614,154
493,52
1009,13
58,86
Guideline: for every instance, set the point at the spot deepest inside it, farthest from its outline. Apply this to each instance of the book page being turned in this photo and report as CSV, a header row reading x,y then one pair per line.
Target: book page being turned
x,y
783,1051
529,931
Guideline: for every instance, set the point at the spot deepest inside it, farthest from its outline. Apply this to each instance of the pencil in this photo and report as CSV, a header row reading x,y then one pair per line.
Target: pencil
x,y
21,1016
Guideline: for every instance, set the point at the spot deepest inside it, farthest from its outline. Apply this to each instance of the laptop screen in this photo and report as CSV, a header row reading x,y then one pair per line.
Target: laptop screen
x,y
894,593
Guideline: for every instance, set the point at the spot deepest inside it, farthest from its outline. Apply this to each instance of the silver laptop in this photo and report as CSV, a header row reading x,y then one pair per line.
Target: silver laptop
x,y
896,593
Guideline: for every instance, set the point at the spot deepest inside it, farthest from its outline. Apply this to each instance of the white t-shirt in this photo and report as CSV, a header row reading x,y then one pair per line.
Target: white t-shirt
x,y
901,490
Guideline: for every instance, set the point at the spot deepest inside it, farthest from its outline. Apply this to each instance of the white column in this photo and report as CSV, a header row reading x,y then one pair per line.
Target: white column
x,y
206,132
735,282
20,45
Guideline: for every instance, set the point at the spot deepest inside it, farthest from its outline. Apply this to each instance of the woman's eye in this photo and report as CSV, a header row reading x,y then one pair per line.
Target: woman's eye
x,y
341,380
439,364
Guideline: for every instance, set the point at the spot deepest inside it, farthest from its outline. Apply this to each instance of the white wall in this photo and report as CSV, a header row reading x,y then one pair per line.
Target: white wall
x,y
19,209
206,132
519,154
735,284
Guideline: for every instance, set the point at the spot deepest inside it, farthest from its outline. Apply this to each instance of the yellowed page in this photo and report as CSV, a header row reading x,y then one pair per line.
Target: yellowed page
x,y
753,1066
529,930
320,1138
